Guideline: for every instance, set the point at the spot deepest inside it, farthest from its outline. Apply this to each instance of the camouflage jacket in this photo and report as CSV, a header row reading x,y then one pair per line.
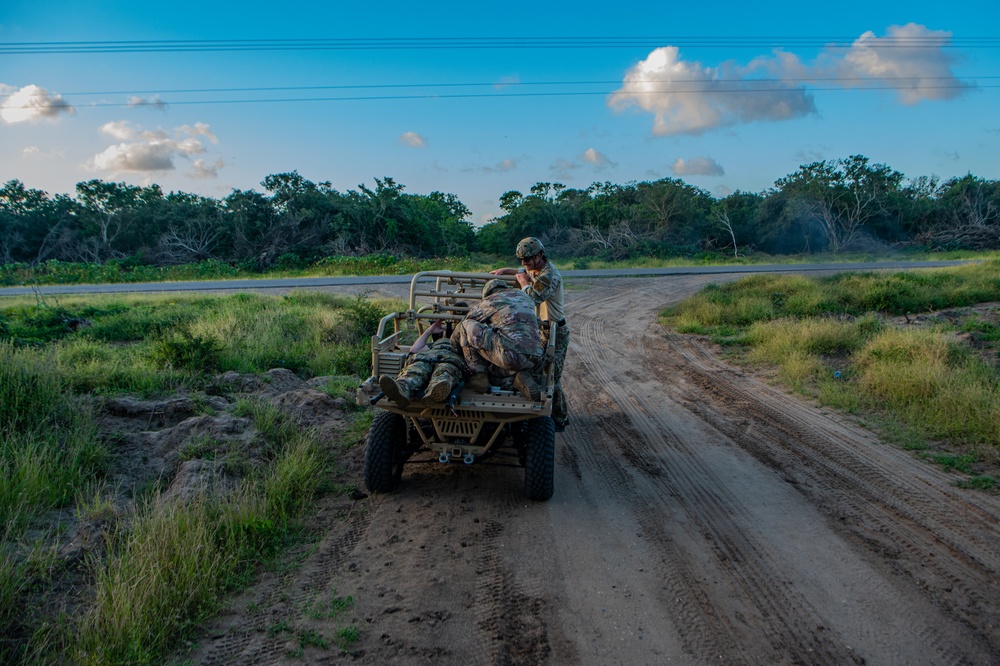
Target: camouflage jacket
x,y
546,290
511,315
442,350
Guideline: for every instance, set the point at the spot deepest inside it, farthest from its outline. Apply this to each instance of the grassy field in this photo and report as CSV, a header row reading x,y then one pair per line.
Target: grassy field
x,y
156,567
127,271
913,353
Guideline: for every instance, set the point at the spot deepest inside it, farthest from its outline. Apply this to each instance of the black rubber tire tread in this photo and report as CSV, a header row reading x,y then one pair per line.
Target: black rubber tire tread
x,y
539,437
383,461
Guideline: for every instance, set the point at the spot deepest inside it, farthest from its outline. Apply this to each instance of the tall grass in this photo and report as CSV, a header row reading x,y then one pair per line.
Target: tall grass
x,y
161,576
48,443
931,381
768,296
170,566
828,337
149,344
167,562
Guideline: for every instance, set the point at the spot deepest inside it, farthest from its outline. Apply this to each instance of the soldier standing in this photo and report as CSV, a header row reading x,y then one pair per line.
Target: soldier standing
x,y
540,280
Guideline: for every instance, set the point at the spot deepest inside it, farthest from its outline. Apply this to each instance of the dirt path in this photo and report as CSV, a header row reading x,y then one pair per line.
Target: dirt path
x,y
700,516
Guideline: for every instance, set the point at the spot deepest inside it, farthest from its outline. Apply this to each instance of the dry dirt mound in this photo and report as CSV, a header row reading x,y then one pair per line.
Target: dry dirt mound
x,y
179,444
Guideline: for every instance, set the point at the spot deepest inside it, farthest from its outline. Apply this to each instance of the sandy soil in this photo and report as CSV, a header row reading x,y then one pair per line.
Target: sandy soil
x,y
700,516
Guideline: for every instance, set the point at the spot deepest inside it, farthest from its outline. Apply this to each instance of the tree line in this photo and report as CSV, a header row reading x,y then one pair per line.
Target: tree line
x,y
827,206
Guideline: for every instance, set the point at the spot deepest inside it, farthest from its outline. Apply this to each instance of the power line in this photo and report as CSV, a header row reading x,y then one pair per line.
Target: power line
x,y
512,84
421,43
511,95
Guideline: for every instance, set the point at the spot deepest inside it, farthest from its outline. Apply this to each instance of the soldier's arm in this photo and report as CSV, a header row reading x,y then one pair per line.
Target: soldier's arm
x,y
541,288
421,342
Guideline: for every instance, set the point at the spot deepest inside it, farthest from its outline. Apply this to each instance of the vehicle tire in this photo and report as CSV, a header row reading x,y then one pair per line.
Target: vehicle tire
x,y
539,439
384,456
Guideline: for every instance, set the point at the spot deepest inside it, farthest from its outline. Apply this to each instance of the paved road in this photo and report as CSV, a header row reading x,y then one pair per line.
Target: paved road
x,y
312,282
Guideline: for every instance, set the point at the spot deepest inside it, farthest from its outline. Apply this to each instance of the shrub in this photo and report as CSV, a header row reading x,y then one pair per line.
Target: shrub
x,y
188,351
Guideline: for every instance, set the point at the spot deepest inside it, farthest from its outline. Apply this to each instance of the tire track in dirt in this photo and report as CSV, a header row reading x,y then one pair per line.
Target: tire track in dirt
x,y
867,491
510,616
254,640
675,475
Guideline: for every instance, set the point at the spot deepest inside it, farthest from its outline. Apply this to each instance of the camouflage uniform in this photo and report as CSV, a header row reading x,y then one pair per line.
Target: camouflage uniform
x,y
439,362
501,330
546,291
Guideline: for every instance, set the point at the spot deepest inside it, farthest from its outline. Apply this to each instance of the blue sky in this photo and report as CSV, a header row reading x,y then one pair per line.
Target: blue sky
x,y
727,96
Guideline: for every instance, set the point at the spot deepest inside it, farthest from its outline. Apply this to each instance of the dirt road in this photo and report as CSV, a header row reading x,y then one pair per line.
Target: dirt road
x,y
700,516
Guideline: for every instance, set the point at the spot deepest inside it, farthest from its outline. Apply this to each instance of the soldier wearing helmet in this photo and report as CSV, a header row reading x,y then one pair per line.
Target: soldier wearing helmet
x,y
541,281
499,336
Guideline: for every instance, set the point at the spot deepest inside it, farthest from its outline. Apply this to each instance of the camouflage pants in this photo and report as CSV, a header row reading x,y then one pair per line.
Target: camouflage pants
x,y
560,410
429,366
483,347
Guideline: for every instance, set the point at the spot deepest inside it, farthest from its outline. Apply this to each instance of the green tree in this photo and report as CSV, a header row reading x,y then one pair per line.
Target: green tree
x,y
842,197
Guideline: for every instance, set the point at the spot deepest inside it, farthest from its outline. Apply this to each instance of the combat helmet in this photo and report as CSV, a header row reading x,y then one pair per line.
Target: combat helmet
x,y
493,285
529,247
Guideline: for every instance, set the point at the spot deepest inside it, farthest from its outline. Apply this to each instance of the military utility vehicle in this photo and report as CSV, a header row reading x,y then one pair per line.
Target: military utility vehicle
x,y
498,427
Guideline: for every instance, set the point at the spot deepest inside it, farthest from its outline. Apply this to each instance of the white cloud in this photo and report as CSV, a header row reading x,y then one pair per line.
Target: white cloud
x,y
598,159
413,140
135,157
686,97
911,58
153,102
31,104
697,166
141,151
198,129
201,170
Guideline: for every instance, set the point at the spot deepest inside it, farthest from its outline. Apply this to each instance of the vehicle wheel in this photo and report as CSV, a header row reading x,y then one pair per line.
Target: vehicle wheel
x,y
384,456
538,437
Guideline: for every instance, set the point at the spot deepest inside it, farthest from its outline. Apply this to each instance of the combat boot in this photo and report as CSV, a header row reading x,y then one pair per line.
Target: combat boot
x,y
395,390
478,382
437,391
526,386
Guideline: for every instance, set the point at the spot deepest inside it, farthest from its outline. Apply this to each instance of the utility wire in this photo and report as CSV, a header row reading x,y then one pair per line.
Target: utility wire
x,y
502,95
420,43
512,84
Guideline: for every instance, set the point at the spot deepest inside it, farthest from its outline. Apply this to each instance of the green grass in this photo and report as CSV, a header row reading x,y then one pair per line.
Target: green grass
x,y
167,564
157,343
173,561
768,296
829,337
114,271
130,271
48,443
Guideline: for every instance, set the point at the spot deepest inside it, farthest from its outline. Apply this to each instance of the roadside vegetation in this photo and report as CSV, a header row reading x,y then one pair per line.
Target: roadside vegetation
x,y
117,232
914,353
153,565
